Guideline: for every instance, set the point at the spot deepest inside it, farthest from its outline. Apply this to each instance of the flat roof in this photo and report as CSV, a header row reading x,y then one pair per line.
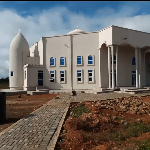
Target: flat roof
x,y
94,32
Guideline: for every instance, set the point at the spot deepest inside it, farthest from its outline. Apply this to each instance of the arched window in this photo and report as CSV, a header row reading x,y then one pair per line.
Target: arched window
x,y
90,59
52,61
62,61
133,61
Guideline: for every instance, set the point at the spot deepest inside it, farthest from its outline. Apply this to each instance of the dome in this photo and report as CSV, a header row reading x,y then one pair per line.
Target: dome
x,y
19,43
76,31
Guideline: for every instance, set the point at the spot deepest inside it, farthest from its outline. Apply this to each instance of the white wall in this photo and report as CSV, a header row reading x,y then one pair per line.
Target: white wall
x,y
84,45
55,47
134,38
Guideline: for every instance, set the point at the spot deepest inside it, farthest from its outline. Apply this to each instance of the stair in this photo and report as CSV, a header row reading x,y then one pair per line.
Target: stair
x,y
42,88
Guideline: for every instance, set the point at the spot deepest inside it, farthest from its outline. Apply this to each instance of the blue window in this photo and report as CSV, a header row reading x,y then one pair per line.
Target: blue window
x,y
90,59
62,61
79,60
52,76
62,76
12,73
90,75
79,75
52,61
133,61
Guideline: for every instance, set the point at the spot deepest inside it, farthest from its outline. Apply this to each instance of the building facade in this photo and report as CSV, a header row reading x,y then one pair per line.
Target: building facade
x,y
110,58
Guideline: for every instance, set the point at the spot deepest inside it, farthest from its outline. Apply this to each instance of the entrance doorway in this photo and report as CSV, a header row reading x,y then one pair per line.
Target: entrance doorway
x,y
40,77
133,77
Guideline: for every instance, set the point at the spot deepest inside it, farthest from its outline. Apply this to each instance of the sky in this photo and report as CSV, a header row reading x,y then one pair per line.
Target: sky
x,y
37,19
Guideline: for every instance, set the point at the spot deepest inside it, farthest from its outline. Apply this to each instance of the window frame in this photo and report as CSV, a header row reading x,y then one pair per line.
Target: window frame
x,y
81,61
93,74
25,74
54,62
93,59
64,61
11,73
61,82
79,77
52,77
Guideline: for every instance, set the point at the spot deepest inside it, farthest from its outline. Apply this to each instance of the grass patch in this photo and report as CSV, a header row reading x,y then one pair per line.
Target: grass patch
x,y
133,130
118,136
144,145
78,111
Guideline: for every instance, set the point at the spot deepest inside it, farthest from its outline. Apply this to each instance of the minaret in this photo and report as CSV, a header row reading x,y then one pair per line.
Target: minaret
x,y
18,47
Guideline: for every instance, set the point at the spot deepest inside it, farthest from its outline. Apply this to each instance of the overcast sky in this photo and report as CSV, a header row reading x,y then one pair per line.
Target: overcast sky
x,y
39,19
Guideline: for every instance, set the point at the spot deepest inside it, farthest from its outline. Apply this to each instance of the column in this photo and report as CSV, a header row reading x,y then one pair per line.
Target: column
x,y
112,52
144,76
117,66
99,67
137,67
109,66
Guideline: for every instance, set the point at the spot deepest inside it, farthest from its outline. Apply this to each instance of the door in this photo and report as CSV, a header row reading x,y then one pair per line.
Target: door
x,y
40,77
133,78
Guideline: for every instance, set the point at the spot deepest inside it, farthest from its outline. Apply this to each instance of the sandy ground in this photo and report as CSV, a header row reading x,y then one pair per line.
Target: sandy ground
x,y
96,130
17,108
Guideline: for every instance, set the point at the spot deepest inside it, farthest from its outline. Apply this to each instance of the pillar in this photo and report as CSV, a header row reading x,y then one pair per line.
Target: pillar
x,y
109,66
137,67
112,52
117,85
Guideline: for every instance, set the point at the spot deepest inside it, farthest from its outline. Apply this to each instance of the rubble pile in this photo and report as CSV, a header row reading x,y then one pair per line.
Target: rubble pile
x,y
132,105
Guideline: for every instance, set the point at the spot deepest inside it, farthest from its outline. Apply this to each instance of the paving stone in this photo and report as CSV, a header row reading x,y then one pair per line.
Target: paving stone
x,y
36,130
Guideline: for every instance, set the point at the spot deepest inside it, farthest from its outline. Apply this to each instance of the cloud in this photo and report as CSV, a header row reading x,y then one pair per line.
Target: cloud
x,y
60,21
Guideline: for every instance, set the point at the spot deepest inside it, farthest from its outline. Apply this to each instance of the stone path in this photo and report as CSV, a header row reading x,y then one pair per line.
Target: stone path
x,y
36,130
103,96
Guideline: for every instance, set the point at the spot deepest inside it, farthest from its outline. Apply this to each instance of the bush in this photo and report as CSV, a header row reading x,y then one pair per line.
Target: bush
x,y
78,111
135,129
144,145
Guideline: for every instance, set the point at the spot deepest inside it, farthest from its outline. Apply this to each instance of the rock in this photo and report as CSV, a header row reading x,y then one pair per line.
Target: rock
x,y
19,96
122,121
114,117
57,97
139,120
73,93
64,131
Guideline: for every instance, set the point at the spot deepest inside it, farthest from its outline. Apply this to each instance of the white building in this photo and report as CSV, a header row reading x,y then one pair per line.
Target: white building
x,y
81,60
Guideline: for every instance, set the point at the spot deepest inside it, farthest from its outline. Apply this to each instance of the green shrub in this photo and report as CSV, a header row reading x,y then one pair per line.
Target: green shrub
x,y
144,145
135,129
118,136
78,111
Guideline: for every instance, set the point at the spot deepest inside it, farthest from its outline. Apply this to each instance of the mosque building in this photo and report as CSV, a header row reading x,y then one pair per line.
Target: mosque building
x,y
111,58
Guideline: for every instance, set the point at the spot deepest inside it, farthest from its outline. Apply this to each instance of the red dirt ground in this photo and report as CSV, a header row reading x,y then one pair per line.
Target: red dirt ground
x,y
93,131
17,108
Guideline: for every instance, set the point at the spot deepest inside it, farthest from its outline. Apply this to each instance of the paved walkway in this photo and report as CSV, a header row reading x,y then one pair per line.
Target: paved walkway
x,y
81,97
36,130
